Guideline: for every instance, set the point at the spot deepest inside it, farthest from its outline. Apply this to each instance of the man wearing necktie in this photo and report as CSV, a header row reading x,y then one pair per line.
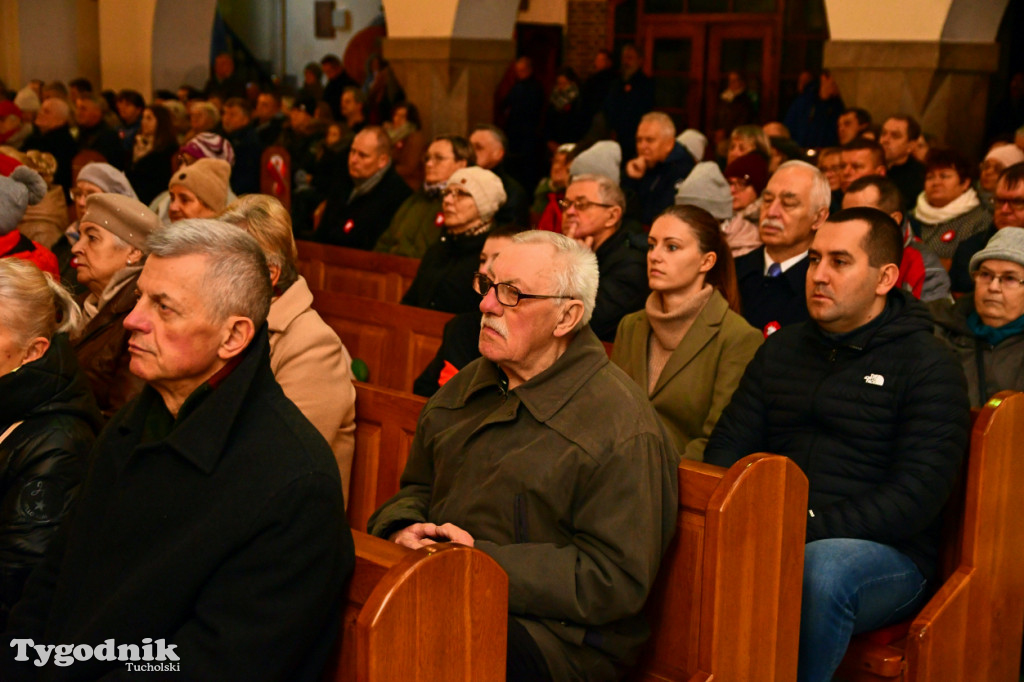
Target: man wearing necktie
x,y
771,279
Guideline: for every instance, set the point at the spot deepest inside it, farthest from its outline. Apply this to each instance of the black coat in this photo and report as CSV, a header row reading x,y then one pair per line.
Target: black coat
x,y
359,223
460,345
622,287
42,461
151,174
656,190
444,280
960,278
775,301
226,537
878,420
105,140
63,147
245,176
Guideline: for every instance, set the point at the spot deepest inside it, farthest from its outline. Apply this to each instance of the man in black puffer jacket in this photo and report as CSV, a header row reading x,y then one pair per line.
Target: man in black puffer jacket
x,y
876,414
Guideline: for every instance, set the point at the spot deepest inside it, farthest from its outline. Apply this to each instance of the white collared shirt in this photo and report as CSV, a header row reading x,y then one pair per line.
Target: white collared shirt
x,y
785,265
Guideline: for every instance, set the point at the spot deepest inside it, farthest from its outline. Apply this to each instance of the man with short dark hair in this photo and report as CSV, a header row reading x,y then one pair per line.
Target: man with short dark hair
x,y
240,131
416,226
771,279
874,410
337,80
660,164
490,146
592,213
93,132
852,123
211,522
859,158
225,82
510,458
921,271
630,96
269,119
360,207
353,105
898,138
1009,212
129,109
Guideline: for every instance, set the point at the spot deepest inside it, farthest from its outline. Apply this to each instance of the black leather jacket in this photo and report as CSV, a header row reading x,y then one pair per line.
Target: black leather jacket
x,y
42,461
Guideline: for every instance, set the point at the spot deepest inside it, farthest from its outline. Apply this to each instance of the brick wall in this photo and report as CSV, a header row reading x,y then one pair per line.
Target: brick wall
x,y
585,34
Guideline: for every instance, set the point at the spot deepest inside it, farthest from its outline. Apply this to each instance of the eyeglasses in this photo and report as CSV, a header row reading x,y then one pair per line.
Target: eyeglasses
x,y
436,158
1015,203
507,294
739,183
78,193
992,165
581,205
455,193
983,278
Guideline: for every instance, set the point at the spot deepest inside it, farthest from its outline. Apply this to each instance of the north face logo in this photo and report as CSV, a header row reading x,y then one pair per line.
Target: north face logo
x,y
874,380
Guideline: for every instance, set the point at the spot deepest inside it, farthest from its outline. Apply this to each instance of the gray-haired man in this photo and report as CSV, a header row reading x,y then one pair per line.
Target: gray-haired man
x,y
210,526
509,458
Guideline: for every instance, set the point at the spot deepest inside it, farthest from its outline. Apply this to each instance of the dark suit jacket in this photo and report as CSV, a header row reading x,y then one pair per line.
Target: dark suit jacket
x,y
360,223
780,300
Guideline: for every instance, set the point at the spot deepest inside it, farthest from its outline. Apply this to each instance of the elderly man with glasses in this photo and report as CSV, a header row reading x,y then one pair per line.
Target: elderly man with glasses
x,y
592,215
509,458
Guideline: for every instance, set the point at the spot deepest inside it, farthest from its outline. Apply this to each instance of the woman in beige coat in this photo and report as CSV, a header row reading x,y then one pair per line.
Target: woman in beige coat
x,y
306,356
689,346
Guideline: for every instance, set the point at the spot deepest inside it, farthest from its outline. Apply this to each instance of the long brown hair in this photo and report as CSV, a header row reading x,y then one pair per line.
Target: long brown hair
x,y
708,232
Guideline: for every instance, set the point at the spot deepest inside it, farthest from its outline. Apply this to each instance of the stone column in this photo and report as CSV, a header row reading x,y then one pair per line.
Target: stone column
x,y
943,85
451,80
451,58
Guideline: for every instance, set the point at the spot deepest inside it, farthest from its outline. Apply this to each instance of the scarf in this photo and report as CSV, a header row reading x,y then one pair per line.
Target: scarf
x,y
993,336
668,328
401,132
367,185
930,215
92,304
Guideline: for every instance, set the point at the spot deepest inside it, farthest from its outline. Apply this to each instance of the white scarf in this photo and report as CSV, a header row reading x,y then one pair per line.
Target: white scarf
x,y
930,215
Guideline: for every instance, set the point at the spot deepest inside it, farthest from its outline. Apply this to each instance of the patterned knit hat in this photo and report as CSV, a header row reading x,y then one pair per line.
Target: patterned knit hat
x,y
209,146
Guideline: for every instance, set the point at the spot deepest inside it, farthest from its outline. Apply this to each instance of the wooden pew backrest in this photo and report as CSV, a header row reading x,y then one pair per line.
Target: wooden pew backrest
x,y
385,426
380,276
726,605
396,342
438,613
971,628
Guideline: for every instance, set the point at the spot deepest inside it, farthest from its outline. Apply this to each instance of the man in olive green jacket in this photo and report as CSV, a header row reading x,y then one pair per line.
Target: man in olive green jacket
x,y
550,459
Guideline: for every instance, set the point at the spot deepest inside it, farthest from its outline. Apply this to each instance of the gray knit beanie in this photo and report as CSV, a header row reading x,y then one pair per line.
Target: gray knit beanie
x,y
602,158
694,141
707,188
107,178
1005,244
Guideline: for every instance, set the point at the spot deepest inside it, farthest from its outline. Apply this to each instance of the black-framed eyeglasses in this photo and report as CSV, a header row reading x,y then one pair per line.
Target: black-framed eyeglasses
x,y
508,295
1016,203
580,204
983,278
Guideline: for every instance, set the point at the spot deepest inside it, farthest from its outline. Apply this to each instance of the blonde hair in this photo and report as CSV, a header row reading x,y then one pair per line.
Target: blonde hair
x,y
268,221
34,303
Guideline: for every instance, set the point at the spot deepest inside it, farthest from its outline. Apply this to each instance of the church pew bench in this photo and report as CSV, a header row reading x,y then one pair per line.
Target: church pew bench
x,y
379,276
395,341
726,604
437,613
971,627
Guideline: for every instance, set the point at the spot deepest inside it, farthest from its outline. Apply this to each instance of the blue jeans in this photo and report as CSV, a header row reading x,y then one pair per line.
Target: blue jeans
x,y
851,586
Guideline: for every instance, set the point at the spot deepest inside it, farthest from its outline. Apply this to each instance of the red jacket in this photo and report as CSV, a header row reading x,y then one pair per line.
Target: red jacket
x,y
911,272
16,245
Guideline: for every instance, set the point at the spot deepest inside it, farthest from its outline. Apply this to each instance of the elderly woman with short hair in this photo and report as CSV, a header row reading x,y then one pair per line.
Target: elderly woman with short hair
x,y
444,280
948,210
306,356
108,259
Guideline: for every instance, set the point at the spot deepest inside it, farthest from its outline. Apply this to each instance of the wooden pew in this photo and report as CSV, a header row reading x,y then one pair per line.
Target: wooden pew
x,y
727,601
385,425
395,341
971,628
438,613
726,605
379,276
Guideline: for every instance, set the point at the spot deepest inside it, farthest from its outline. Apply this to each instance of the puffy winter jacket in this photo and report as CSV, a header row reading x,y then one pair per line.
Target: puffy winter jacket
x,y
42,461
877,419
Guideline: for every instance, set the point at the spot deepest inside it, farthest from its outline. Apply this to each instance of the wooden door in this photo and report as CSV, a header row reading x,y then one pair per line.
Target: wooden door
x,y
674,56
750,48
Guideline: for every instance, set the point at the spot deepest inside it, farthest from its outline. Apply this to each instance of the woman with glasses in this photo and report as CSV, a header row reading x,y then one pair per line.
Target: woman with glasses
x,y
108,260
48,420
689,347
153,152
999,158
986,329
747,177
444,280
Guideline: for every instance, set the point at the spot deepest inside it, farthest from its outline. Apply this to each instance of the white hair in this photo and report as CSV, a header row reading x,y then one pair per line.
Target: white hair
x,y
575,274
821,192
663,120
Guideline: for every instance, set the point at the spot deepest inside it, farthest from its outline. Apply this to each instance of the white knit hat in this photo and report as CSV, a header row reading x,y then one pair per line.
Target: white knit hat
x,y
484,186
